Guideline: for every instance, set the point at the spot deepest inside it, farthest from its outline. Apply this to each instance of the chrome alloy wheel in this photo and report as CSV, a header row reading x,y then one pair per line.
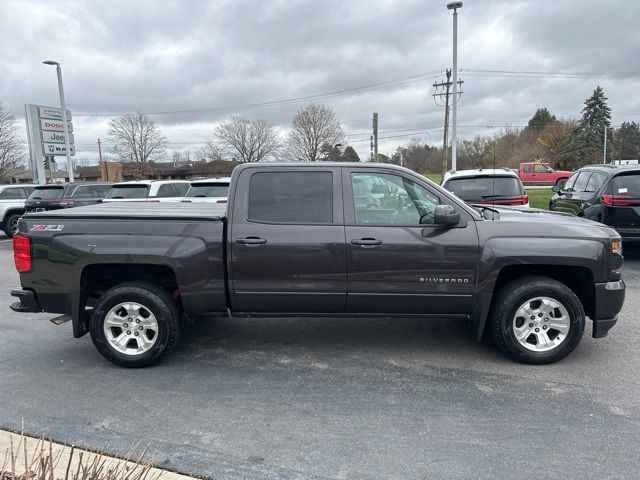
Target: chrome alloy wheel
x,y
541,324
131,328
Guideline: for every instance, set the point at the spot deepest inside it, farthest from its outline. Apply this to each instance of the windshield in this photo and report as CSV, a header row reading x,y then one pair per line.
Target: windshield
x,y
47,193
483,188
209,190
128,191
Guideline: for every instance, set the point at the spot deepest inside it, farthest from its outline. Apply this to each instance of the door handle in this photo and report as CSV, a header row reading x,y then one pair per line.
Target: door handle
x,y
251,241
367,242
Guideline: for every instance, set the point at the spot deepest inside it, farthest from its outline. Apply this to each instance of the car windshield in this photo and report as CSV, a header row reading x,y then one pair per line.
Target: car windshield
x,y
209,190
128,191
483,188
47,193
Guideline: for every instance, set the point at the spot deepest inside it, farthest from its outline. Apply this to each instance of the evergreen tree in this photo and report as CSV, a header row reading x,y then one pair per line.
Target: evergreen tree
x,y
329,153
540,119
626,145
589,138
350,155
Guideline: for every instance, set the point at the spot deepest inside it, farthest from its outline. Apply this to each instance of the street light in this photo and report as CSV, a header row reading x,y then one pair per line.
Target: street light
x,y
454,130
64,117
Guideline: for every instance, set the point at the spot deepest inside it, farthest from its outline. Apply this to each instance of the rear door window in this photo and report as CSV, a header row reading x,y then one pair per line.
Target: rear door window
x,y
596,181
128,191
101,190
581,182
83,191
168,190
11,194
291,197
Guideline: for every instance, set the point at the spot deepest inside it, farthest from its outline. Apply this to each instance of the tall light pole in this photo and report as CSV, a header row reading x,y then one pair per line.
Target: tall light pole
x,y
64,117
454,114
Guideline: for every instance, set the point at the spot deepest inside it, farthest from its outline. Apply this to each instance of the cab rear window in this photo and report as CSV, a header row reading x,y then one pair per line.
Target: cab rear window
x,y
47,193
128,191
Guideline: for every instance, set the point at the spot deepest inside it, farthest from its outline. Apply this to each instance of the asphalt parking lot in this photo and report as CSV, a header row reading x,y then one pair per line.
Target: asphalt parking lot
x,y
333,398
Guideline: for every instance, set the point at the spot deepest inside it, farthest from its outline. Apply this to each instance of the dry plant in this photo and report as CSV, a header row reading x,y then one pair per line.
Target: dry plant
x,y
45,461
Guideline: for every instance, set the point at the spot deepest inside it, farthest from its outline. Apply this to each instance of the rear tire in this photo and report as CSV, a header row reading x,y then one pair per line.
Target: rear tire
x,y
10,226
135,324
537,320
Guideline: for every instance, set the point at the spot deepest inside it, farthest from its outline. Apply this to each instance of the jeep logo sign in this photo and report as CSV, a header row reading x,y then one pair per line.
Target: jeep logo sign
x,y
55,137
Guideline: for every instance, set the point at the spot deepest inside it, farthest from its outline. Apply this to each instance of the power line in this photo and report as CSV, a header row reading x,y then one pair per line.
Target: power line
x,y
373,86
514,73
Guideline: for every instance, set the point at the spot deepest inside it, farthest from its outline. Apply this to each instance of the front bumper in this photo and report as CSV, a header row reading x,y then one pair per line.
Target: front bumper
x,y
609,297
28,301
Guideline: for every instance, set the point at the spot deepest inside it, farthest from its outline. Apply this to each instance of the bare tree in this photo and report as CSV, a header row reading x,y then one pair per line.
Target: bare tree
x,y
12,152
312,126
136,139
249,140
208,153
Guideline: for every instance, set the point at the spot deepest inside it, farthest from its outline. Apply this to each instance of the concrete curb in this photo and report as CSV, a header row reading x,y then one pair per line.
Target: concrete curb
x,y
10,441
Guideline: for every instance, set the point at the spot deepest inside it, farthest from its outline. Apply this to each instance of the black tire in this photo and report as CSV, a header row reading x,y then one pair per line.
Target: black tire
x,y
560,182
516,293
154,299
10,226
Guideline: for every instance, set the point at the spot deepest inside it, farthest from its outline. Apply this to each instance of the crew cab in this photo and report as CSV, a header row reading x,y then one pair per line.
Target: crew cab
x,y
12,198
147,191
326,239
537,173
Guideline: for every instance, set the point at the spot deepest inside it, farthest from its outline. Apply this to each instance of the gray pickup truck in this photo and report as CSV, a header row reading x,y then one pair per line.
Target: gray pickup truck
x,y
322,239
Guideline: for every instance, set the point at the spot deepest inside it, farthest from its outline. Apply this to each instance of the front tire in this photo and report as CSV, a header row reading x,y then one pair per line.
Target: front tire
x,y
135,324
537,320
560,182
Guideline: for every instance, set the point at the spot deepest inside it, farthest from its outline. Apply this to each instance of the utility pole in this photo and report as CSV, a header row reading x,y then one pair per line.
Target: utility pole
x,y
371,145
447,86
454,130
375,136
102,162
604,156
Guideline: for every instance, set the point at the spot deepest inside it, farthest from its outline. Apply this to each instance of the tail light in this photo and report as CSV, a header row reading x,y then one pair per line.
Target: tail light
x,y
22,253
519,199
620,201
66,203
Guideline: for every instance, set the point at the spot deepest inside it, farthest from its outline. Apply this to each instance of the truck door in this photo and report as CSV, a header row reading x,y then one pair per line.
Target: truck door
x,y
287,241
395,264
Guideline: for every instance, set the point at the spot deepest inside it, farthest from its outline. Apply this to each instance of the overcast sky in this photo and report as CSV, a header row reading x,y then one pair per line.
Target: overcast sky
x,y
204,60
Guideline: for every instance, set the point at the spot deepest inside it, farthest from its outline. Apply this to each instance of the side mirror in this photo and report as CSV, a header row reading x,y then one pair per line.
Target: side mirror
x,y
556,189
446,215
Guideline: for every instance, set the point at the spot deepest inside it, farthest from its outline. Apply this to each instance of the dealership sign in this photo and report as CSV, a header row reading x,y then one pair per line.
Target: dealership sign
x,y
55,137
45,130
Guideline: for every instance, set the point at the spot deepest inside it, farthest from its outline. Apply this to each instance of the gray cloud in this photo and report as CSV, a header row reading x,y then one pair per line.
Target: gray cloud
x,y
162,56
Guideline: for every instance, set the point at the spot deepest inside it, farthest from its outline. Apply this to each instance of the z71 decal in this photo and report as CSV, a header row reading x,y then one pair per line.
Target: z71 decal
x,y
46,228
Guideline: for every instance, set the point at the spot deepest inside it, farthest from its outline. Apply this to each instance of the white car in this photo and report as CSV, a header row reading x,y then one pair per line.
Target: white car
x,y
147,191
487,186
12,198
209,190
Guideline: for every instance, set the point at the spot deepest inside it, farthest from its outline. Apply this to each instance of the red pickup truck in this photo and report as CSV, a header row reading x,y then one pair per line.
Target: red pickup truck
x,y
536,173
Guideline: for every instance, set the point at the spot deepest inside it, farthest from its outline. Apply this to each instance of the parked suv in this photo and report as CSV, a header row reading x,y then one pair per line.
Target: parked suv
x,y
66,195
609,194
209,190
148,191
12,198
487,186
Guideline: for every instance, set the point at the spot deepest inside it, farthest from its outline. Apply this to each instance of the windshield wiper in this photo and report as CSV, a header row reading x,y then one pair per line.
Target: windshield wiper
x,y
483,208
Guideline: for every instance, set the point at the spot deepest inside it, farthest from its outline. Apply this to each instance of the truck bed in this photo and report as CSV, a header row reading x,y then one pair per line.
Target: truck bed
x,y
155,210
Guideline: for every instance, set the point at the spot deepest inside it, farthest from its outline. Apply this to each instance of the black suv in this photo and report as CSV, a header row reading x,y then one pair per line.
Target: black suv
x,y
66,195
609,194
